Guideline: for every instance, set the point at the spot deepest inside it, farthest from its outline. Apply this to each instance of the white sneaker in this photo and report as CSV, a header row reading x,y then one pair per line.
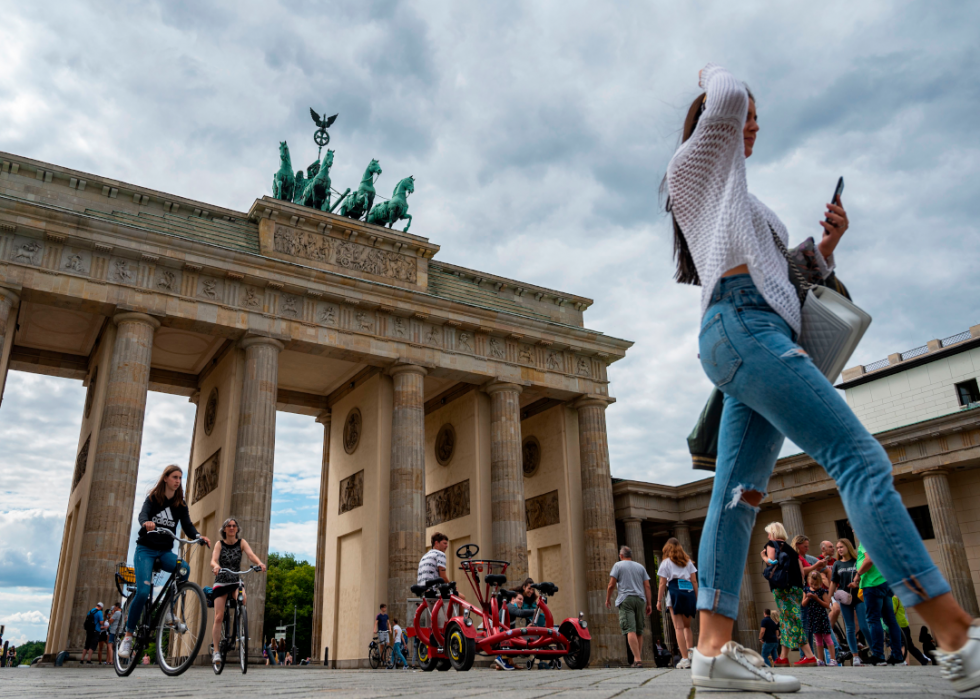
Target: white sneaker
x,y
739,668
962,667
856,662
126,647
216,659
684,664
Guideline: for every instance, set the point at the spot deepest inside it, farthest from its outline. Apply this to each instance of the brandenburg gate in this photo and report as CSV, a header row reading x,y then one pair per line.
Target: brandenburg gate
x,y
450,399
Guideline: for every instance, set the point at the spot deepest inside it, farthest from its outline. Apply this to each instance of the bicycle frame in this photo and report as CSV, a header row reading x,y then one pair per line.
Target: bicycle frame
x,y
236,600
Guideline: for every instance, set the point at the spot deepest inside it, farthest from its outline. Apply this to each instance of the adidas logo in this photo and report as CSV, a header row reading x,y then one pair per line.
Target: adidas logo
x,y
165,519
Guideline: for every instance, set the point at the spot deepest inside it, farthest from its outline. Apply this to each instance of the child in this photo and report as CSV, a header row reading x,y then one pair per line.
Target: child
x,y
816,599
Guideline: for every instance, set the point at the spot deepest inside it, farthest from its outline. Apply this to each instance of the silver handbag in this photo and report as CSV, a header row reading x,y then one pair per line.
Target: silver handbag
x,y
831,327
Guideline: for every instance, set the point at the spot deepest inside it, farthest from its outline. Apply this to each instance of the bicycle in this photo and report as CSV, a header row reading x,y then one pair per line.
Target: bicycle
x,y
379,655
178,614
234,600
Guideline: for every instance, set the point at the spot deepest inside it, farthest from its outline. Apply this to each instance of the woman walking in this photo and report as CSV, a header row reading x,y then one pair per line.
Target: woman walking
x,y
844,588
789,596
228,553
678,578
723,240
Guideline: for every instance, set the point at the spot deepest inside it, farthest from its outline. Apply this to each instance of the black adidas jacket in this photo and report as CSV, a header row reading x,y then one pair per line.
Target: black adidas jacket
x,y
165,516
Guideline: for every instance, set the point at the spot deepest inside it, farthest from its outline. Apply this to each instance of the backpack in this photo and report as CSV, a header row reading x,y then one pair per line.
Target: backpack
x,y
778,573
89,624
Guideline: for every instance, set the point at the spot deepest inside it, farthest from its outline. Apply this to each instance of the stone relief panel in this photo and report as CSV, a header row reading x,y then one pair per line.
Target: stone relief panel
x,y
432,335
531,456
352,431
553,362
26,251
525,354
290,306
251,298
122,271
447,504
168,280
363,321
326,314
350,255
206,476
583,366
211,411
399,327
542,511
75,260
81,462
496,348
464,343
210,289
352,492
445,444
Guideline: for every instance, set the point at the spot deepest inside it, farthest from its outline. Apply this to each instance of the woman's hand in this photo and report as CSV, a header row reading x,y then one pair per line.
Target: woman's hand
x,y
659,609
215,568
262,566
833,230
149,525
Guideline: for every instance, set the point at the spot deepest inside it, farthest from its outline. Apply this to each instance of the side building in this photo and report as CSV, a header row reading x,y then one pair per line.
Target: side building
x,y
923,405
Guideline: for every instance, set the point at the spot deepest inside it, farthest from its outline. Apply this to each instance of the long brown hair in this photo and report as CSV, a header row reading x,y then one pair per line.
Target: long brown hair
x,y
159,491
686,272
675,552
850,548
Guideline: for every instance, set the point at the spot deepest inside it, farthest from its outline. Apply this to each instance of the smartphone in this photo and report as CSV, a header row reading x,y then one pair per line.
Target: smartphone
x,y
837,192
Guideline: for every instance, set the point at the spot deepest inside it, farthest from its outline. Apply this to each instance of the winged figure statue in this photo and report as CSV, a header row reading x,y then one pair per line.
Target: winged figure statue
x,y
323,123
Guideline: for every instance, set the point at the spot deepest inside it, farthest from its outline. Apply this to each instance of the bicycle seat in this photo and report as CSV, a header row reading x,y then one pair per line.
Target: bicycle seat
x,y
495,579
546,588
507,595
418,590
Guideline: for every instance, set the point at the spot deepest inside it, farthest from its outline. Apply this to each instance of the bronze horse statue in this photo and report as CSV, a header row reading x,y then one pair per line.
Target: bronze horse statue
x,y
316,193
391,211
284,182
360,203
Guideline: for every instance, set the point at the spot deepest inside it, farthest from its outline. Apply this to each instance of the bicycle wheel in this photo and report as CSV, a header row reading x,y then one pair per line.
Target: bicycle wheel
x,y
182,629
388,657
243,640
374,656
125,666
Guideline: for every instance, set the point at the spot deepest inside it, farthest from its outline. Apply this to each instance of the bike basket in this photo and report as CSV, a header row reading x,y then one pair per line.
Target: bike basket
x,y
209,592
128,574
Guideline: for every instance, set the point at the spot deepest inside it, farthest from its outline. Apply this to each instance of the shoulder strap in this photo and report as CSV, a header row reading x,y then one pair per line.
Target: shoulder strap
x,y
801,284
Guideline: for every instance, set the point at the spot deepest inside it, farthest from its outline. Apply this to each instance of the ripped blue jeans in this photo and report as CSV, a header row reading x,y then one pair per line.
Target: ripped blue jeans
x,y
772,389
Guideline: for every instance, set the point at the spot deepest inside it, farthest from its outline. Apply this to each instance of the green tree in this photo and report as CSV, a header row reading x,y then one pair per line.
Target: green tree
x,y
26,652
290,582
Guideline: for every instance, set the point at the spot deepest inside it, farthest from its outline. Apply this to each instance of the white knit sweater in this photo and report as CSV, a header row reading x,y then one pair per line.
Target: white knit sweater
x,y
723,224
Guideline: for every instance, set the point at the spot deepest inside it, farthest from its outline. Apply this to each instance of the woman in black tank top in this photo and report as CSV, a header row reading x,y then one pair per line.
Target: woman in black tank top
x,y
227,554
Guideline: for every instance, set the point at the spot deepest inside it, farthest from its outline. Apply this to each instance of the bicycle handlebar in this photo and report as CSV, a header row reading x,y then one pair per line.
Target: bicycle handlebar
x,y
253,569
175,537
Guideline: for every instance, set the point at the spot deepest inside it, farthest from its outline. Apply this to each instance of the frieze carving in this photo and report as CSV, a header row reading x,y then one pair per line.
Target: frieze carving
x,y
531,456
81,462
74,260
352,430
554,364
447,504
206,475
363,321
496,348
352,492
398,327
252,298
526,356
433,337
27,251
583,367
121,271
466,342
167,280
445,444
90,392
211,411
290,306
353,256
209,288
328,314
542,511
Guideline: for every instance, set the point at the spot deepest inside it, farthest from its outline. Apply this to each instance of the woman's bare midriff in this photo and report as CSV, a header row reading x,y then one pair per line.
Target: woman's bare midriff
x,y
741,269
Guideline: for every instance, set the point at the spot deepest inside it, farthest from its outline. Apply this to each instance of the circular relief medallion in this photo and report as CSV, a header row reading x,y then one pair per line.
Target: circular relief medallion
x,y
445,444
211,411
352,430
531,452
90,393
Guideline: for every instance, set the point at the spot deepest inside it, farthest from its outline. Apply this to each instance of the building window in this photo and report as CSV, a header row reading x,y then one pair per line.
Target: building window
x,y
844,530
968,392
923,521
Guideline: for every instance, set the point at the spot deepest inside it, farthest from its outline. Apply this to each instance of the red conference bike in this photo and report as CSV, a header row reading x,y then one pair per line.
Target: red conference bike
x,y
458,630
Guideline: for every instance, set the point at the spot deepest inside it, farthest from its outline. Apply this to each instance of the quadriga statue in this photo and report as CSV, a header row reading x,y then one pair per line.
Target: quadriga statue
x,y
284,182
360,203
388,213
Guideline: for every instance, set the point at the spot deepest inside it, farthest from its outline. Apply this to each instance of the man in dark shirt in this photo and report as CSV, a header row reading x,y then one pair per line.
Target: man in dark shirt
x,y
769,638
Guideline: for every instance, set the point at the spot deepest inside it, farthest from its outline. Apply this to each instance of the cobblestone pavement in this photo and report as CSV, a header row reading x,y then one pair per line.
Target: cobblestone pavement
x,y
827,683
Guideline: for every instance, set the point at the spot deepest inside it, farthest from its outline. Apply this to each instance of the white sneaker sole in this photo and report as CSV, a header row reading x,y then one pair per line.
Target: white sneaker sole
x,y
748,685
967,683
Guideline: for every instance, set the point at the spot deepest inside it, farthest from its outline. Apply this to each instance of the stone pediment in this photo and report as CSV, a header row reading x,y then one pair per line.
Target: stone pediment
x,y
335,243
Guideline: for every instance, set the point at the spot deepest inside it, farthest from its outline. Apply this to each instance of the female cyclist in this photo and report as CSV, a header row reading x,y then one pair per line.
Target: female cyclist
x,y
227,554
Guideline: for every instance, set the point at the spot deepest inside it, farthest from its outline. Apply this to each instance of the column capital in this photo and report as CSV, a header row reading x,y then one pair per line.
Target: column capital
x,y
590,400
498,386
680,525
789,501
132,317
408,369
195,397
253,340
629,520
324,417
9,295
936,471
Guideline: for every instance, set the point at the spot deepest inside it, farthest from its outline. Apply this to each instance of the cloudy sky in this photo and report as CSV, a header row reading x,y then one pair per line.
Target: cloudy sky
x,y
537,133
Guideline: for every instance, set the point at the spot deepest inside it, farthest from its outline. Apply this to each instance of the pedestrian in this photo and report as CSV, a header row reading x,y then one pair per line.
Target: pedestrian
x,y
788,594
289,658
103,642
399,644
12,656
661,655
633,599
678,588
769,638
816,599
725,240
903,624
115,627
877,603
93,629
281,651
382,628
928,643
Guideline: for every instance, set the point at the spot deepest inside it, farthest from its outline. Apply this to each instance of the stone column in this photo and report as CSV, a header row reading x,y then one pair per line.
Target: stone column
x,y
251,488
599,523
682,532
8,300
406,516
509,521
321,539
792,514
748,617
952,552
634,539
105,538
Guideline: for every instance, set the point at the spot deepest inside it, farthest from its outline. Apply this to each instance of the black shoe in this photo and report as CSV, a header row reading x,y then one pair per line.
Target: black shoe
x,y
877,662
